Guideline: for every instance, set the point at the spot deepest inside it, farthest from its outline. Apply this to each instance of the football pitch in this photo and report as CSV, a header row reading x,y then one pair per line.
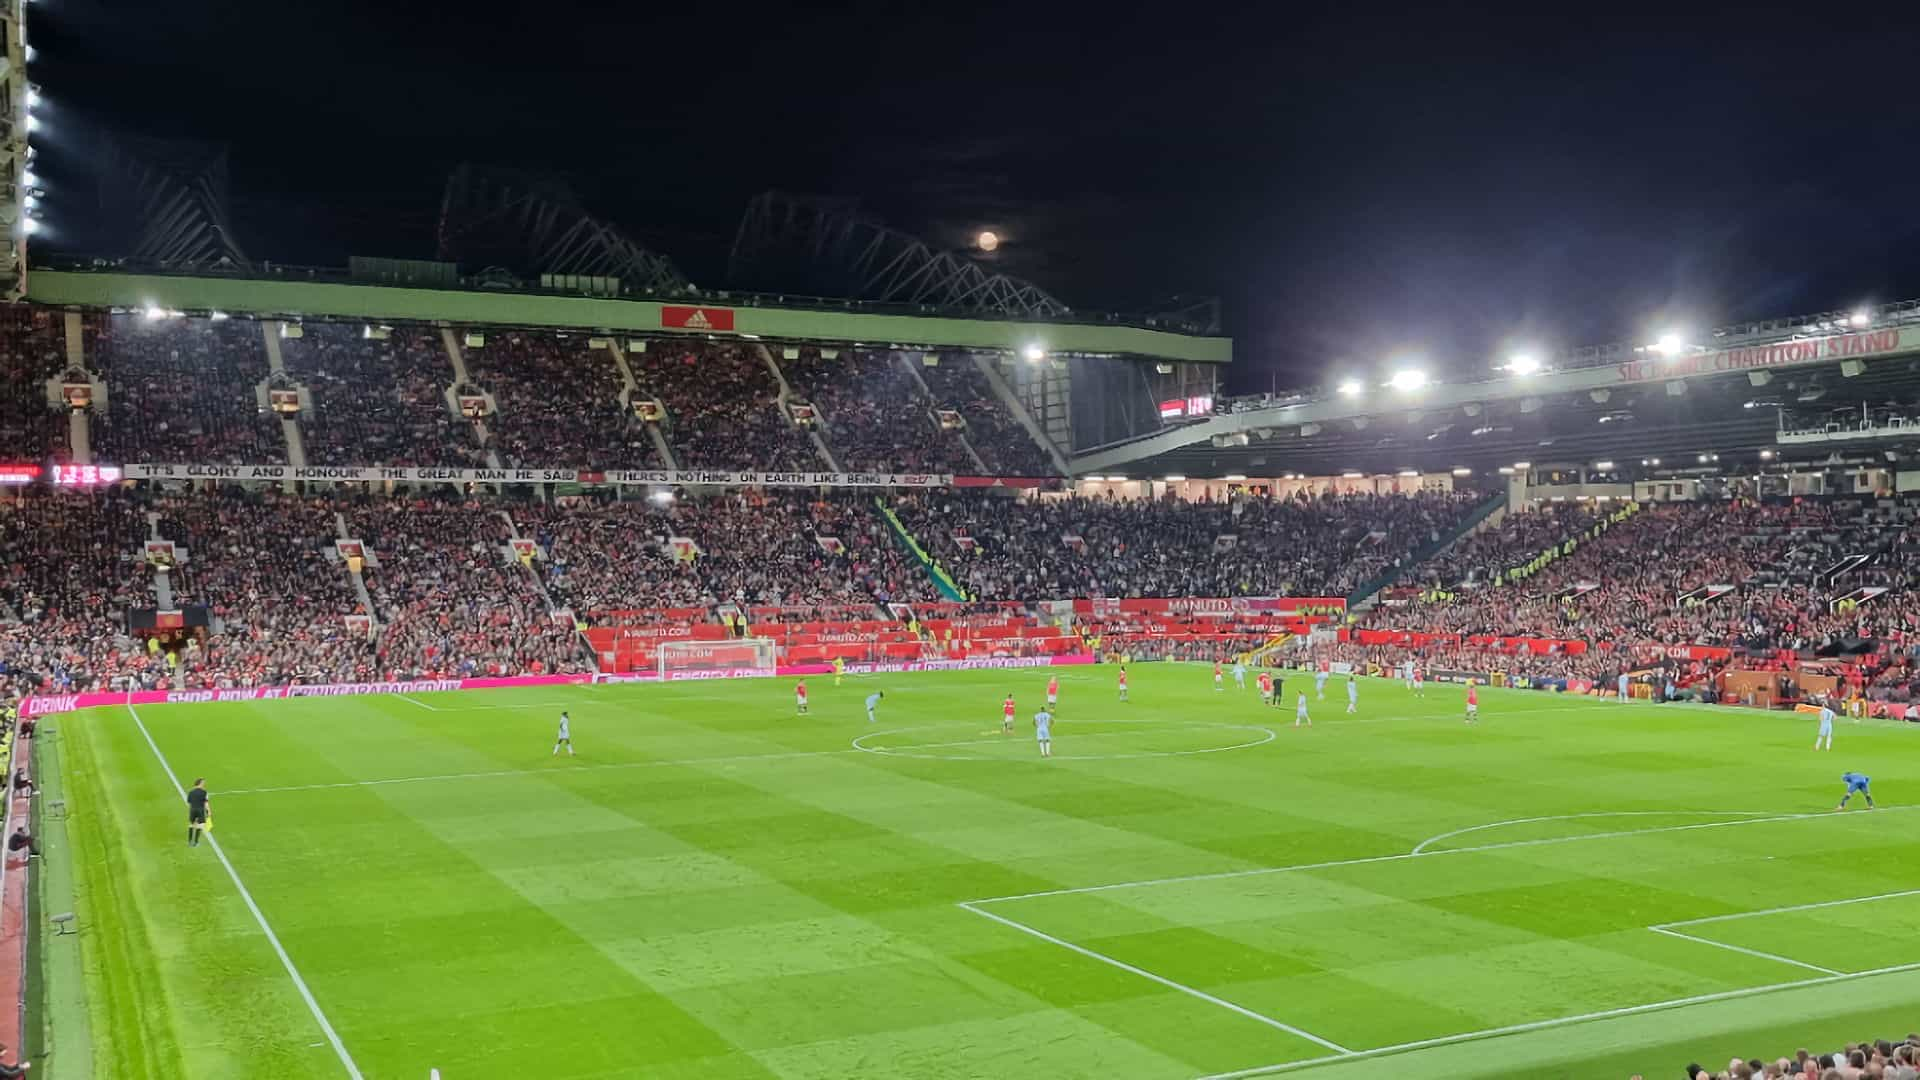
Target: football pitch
x,y
1191,887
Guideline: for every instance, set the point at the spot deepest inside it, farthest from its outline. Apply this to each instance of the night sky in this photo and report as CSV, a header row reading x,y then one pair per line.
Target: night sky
x,y
1352,184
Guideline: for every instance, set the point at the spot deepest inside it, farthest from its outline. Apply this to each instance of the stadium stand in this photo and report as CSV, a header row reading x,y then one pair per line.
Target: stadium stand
x,y
722,407
877,420
452,601
66,614
32,350
1516,540
604,557
259,564
558,404
183,390
1005,549
1643,579
378,402
999,438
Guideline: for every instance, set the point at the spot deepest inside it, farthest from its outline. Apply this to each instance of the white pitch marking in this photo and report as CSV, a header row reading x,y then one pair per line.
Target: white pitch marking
x,y
1422,845
1162,980
300,984
1331,863
1564,1021
1744,950
411,700
1794,907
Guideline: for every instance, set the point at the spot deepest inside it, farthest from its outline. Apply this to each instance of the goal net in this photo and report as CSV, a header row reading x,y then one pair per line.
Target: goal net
x,y
744,658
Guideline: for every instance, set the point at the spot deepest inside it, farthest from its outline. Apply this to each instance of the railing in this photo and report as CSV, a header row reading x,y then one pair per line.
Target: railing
x,y
1427,551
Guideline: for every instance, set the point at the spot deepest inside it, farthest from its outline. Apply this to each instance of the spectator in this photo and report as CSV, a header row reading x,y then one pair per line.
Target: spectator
x,y
379,402
183,390
559,404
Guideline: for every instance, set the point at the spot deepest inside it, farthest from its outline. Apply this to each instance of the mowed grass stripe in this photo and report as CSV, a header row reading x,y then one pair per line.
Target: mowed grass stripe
x,y
799,914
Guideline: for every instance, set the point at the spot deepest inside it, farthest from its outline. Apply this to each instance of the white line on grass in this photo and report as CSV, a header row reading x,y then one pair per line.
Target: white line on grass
x,y
1331,863
1163,981
1744,950
430,707
1421,847
1792,907
273,939
1564,1021
1826,974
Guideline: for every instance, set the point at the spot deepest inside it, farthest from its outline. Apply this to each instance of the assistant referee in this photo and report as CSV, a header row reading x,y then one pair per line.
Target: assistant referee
x,y
197,811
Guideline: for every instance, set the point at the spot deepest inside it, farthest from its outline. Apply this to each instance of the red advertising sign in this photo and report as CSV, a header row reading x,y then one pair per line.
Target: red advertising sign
x,y
1807,350
1174,408
675,317
1213,606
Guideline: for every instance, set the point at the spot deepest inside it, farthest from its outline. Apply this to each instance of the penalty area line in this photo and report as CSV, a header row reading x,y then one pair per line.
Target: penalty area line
x,y
1558,1022
1162,980
273,939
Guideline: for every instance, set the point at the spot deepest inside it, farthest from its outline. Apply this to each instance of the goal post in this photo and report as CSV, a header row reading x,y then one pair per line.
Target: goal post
x,y
736,659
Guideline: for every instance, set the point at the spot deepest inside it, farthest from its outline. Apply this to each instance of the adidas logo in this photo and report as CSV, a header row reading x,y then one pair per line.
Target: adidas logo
x,y
698,321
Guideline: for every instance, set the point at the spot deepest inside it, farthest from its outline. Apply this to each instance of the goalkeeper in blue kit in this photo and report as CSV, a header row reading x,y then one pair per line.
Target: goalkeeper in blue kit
x,y
1859,784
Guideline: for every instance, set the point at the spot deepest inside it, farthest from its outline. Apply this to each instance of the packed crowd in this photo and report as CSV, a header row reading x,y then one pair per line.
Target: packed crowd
x,y
598,556
1657,576
183,390
1875,1059
800,550
32,350
996,435
1006,549
187,390
743,549
1595,665
450,595
454,599
723,408
876,419
63,619
1513,541
378,402
558,404
259,564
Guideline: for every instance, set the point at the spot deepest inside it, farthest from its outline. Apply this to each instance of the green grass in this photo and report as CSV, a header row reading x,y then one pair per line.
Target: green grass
x,y
716,888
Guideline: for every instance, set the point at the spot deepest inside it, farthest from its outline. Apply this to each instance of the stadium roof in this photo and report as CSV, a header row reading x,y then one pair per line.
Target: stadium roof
x,y
1616,403
320,294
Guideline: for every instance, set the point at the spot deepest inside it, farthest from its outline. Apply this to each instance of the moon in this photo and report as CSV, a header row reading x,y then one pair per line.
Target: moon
x,y
988,240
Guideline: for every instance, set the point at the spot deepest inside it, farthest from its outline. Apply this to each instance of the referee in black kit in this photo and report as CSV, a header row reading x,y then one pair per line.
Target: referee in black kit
x,y
197,811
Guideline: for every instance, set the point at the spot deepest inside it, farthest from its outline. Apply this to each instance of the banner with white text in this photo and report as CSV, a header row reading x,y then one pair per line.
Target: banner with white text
x,y
628,477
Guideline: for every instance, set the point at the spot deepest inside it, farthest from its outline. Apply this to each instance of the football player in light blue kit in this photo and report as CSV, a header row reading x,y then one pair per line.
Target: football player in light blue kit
x,y
1320,684
1826,728
1626,687
1239,675
1043,731
1353,694
873,702
1859,783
